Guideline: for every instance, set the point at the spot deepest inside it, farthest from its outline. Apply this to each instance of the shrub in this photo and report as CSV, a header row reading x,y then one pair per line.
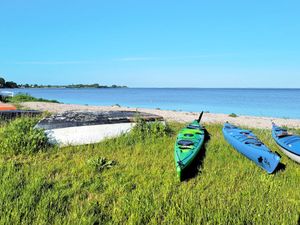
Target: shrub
x,y
25,98
20,136
157,129
233,115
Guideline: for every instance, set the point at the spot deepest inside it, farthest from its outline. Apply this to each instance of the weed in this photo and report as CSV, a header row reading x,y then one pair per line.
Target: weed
x,y
100,163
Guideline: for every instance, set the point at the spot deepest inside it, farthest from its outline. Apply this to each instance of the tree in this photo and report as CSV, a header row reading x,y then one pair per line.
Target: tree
x,y
2,82
11,84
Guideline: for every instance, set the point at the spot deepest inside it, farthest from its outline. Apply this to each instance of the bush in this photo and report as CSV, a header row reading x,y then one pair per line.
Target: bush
x,y
20,136
233,115
157,129
25,98
145,133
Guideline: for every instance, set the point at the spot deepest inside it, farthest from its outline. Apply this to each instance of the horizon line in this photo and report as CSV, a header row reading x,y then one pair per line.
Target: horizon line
x,y
125,86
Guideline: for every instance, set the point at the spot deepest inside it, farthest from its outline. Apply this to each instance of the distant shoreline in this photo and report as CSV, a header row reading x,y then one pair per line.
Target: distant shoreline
x,y
204,88
68,87
13,85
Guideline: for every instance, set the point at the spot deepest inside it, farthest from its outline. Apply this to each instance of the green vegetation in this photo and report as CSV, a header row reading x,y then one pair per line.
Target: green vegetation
x,y
20,137
11,84
7,84
99,163
85,185
233,115
71,86
18,98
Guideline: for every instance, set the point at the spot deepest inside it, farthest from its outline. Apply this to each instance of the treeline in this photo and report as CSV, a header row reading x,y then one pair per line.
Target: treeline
x,y
70,86
11,84
7,84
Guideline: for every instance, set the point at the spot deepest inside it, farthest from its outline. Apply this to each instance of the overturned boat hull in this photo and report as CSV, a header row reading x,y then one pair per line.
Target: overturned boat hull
x,y
78,128
81,135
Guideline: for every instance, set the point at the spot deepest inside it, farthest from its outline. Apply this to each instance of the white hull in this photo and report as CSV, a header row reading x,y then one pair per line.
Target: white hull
x,y
291,155
86,134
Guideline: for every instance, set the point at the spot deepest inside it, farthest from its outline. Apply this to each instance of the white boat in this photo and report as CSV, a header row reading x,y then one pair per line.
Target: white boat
x,y
78,128
7,93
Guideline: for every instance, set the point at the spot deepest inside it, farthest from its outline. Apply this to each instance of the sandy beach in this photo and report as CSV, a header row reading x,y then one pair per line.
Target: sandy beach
x,y
169,115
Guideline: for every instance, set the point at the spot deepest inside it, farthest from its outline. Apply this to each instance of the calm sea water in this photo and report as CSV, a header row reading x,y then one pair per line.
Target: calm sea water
x,y
260,102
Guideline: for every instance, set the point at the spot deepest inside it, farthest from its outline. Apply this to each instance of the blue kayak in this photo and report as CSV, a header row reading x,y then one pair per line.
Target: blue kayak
x,y
289,143
245,142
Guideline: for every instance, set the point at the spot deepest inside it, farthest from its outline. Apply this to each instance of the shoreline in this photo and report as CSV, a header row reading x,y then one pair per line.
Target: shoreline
x,y
170,115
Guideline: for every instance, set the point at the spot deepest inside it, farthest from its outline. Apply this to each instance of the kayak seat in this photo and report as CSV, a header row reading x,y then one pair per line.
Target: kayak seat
x,y
186,148
193,127
256,143
185,143
283,134
245,132
230,126
278,129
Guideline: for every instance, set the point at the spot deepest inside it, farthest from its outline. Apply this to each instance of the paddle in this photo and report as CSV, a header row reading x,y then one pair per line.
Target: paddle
x,y
200,117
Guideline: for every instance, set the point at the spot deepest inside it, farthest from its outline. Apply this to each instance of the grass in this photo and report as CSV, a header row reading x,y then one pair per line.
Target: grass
x,y
20,137
132,180
19,98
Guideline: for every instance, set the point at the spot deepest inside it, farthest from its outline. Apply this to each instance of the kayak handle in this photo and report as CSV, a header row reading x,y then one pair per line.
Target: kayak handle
x,y
200,117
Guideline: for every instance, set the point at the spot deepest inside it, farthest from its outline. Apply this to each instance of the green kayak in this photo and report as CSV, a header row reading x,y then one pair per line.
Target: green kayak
x,y
188,144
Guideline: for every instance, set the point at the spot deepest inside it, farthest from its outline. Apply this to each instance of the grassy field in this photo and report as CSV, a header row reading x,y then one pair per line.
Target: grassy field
x,y
132,180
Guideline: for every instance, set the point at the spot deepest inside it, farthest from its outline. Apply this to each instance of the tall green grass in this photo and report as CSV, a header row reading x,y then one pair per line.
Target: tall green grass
x,y
20,137
64,186
18,98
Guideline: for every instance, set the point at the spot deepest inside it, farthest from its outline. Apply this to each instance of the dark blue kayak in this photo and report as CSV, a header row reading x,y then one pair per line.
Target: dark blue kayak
x,y
245,142
289,143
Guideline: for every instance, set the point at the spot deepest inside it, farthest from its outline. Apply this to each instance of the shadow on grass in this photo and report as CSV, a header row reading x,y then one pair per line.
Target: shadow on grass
x,y
280,168
197,165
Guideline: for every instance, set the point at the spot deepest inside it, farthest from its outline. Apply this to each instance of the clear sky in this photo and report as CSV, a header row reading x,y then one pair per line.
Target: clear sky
x,y
151,43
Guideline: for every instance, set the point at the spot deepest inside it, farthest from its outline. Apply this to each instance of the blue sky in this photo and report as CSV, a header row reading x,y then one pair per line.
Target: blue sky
x,y
157,43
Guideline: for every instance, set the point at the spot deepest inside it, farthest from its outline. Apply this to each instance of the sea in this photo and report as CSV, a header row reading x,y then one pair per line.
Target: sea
x,y
282,103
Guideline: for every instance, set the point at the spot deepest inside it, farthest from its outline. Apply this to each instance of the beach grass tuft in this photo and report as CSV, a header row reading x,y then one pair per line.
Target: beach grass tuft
x,y
233,115
65,186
